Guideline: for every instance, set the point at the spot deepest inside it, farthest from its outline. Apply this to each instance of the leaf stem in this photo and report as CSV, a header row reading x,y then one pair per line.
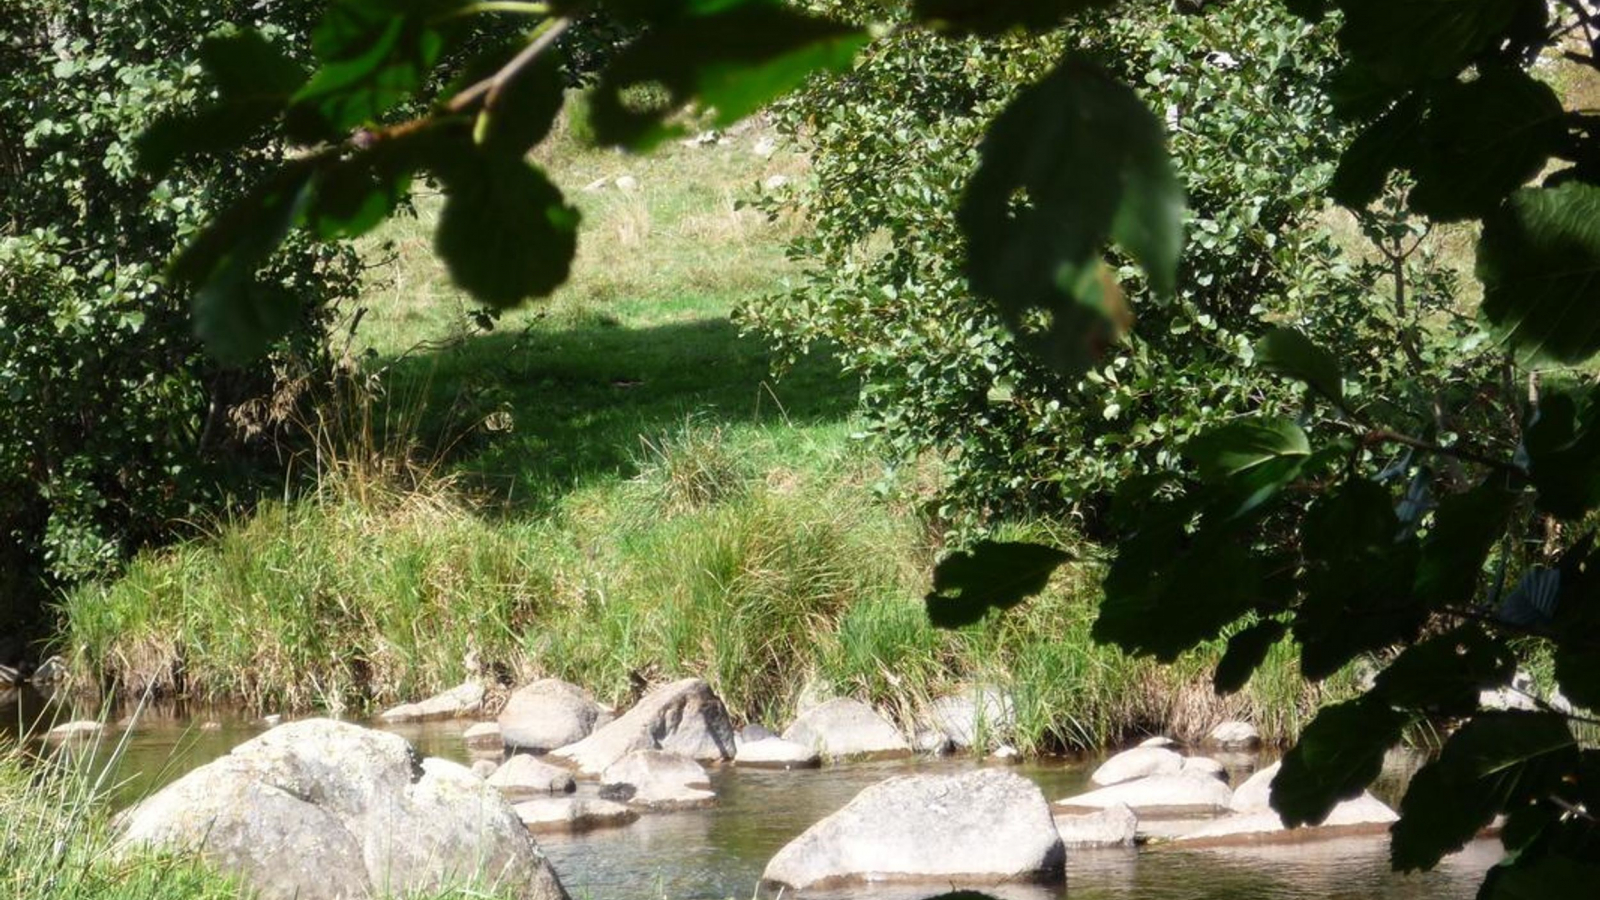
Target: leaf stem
x,y
489,88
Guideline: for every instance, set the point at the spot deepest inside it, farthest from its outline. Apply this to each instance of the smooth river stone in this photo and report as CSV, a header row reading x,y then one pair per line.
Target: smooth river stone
x,y
1140,762
846,728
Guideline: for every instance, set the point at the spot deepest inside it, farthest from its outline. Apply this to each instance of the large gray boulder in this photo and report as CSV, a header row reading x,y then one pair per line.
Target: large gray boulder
x,y
682,717
776,753
325,810
976,711
978,828
847,728
1255,794
548,714
1140,762
522,778
654,779
459,702
1184,794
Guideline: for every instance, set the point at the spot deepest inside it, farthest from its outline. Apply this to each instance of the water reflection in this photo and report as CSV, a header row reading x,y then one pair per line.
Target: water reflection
x,y
719,853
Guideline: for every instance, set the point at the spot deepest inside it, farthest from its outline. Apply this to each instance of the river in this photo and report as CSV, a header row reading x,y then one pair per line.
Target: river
x,y
718,853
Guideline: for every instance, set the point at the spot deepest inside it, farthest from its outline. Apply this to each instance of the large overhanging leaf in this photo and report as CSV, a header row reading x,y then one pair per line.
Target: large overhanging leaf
x,y
373,54
991,575
729,60
1075,161
1407,42
1337,756
1290,353
1539,261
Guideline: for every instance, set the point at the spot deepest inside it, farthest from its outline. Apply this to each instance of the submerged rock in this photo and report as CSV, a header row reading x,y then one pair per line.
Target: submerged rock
x,y
683,717
978,828
1365,814
1114,826
1234,735
776,753
484,737
574,814
459,702
325,810
522,777
847,728
77,731
652,779
1140,762
548,714
1187,793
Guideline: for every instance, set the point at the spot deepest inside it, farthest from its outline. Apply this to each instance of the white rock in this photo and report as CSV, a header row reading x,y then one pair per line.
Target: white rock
x,y
458,702
683,717
1157,795
1365,814
765,147
483,768
776,183
933,742
484,737
627,183
1159,741
1234,734
1115,826
272,720
1006,753
522,777
1255,794
574,814
597,184
548,714
776,753
977,828
1204,765
975,712
653,779
325,810
847,728
1139,762
80,730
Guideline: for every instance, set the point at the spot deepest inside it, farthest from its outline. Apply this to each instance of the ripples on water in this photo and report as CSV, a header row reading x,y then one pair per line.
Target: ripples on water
x,y
718,853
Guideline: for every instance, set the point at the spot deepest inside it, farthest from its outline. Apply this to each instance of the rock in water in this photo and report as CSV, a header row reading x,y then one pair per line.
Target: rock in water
x,y
1205,765
325,810
776,753
1365,814
1255,794
977,710
458,702
1234,735
1159,741
1140,762
548,714
76,731
522,777
1114,826
845,728
1189,793
653,779
574,814
484,738
979,828
683,717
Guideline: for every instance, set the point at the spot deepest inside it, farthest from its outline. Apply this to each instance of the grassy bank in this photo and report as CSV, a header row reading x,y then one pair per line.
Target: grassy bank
x,y
613,489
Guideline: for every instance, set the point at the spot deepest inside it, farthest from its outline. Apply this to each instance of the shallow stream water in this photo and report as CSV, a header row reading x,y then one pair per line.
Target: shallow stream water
x,y
718,853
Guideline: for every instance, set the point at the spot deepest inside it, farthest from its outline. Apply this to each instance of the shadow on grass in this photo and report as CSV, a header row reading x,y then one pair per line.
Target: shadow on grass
x,y
531,416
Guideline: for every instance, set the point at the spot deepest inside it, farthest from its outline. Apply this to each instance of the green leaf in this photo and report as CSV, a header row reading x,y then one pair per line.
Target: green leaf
x,y
505,232
355,194
524,111
1075,161
1482,140
989,576
1409,42
731,60
997,16
1465,527
1337,756
374,54
1247,650
1444,674
1540,877
1539,261
1236,448
1563,448
1494,763
247,66
1385,145
1163,597
1288,352
236,315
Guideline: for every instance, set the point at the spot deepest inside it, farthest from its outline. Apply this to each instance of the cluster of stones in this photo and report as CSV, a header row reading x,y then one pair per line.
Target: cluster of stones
x,y
319,810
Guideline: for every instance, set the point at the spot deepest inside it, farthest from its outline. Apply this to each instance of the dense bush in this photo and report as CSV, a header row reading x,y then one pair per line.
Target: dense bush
x,y
113,424
893,143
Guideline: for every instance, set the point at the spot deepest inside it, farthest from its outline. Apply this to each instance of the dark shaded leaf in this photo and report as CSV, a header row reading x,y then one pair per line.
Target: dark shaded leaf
x,y
1408,42
1539,261
1230,450
1288,352
214,129
1445,673
1495,762
505,232
1563,448
524,111
373,54
1075,161
996,16
246,66
1482,140
1540,877
355,194
1162,597
1578,674
1337,756
1247,650
989,576
731,60
1465,527
1385,145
